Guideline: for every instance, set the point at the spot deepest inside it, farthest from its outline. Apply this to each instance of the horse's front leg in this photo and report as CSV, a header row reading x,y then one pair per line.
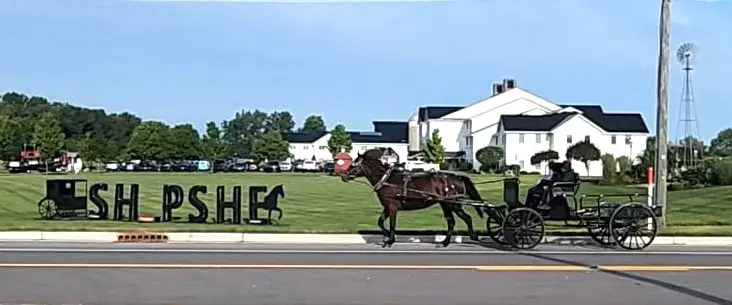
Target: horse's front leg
x,y
392,227
447,212
380,223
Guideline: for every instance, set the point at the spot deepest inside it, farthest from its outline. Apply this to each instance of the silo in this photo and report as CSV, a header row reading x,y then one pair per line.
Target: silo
x,y
414,132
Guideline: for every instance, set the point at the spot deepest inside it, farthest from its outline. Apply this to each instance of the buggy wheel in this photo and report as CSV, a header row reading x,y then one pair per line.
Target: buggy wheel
x,y
494,225
47,208
601,234
633,226
523,228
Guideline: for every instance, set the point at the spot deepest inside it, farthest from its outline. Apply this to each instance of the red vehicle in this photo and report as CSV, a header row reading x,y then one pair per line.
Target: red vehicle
x,y
30,157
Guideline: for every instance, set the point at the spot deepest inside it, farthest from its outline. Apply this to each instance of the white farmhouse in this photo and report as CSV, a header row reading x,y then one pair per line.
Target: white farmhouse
x,y
314,146
523,124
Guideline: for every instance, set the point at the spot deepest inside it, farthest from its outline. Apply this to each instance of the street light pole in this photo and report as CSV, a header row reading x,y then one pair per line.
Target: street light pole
x,y
661,162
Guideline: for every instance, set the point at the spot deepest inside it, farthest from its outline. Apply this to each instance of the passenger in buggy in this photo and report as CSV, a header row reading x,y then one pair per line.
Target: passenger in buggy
x,y
538,195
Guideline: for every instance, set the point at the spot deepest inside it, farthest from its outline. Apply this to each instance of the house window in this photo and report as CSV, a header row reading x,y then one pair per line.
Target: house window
x,y
628,140
305,147
468,141
503,139
587,139
521,138
538,138
538,166
364,148
323,147
521,164
613,140
569,139
292,146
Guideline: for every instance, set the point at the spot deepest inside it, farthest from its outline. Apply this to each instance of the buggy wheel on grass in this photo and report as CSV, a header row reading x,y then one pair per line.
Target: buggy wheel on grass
x,y
633,226
494,225
523,228
47,208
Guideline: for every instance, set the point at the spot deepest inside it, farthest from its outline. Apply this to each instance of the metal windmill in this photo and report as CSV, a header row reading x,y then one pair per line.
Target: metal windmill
x,y
690,147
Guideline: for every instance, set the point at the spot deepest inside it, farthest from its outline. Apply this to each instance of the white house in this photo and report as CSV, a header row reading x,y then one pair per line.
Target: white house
x,y
309,146
523,124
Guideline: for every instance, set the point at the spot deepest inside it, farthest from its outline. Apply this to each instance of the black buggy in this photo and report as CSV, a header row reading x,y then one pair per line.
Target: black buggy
x,y
65,198
631,225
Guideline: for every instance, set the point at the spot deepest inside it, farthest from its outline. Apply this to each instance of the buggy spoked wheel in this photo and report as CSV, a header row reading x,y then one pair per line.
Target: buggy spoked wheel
x,y
523,228
47,208
494,226
601,235
633,226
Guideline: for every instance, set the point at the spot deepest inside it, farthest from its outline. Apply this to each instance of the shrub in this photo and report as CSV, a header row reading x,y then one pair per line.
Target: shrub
x,y
720,172
609,174
624,164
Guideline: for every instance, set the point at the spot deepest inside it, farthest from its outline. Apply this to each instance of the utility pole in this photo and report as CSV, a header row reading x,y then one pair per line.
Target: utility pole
x,y
662,109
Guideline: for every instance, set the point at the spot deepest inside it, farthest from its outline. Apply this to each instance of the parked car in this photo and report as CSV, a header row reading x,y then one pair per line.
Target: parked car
x,y
307,166
285,166
238,167
421,166
329,167
271,166
14,167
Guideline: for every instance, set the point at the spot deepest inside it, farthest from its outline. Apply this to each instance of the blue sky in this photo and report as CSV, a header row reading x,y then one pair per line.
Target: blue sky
x,y
357,62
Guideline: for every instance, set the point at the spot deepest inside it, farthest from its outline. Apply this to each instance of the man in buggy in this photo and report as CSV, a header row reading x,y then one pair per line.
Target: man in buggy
x,y
538,195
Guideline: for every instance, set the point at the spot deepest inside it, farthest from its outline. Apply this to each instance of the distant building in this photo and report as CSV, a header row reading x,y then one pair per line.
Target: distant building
x,y
523,124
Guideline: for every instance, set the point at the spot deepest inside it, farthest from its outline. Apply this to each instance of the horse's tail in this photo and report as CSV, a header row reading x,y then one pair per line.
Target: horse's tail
x,y
472,193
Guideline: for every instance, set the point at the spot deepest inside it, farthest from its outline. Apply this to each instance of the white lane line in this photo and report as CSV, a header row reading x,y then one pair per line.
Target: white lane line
x,y
303,251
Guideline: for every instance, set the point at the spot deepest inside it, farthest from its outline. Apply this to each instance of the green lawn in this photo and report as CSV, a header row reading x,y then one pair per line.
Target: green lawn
x,y
317,203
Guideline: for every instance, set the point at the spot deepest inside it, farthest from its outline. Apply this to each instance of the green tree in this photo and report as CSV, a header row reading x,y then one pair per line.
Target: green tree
x,y
271,146
544,156
279,120
48,137
624,164
584,152
10,137
721,146
490,158
313,123
241,131
186,142
213,146
433,149
150,141
340,140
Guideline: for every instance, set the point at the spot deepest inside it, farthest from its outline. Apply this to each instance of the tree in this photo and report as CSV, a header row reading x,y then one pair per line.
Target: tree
x,y
544,156
584,152
186,142
240,132
490,158
340,140
271,146
313,123
48,137
10,138
280,120
213,146
433,149
609,169
721,146
150,141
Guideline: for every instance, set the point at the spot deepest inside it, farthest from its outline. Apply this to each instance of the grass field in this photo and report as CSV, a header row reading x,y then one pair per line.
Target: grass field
x,y
317,203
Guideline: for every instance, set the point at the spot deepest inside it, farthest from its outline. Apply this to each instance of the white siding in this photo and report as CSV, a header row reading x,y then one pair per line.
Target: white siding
x,y
402,149
306,151
450,131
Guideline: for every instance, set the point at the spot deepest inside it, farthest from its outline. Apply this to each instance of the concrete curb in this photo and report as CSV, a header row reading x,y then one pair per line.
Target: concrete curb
x,y
342,239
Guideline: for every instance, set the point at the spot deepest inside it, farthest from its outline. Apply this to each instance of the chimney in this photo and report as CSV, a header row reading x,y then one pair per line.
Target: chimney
x,y
509,83
498,88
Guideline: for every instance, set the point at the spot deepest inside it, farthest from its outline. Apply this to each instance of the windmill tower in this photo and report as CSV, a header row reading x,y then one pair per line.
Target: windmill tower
x,y
689,147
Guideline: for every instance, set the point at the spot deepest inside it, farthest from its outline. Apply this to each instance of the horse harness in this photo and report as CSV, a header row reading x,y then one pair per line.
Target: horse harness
x,y
407,177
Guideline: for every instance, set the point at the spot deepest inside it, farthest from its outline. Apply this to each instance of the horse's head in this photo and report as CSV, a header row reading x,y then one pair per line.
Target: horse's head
x,y
279,190
366,165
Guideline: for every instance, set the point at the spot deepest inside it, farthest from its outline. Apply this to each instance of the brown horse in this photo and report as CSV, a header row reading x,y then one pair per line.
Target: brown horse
x,y
399,191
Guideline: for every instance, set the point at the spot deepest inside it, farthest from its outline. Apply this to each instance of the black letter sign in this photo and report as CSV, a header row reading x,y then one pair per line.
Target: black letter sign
x,y
254,192
97,200
172,199
197,204
222,205
132,202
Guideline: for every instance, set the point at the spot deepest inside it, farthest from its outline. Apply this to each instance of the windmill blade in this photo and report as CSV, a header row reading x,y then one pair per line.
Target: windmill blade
x,y
687,51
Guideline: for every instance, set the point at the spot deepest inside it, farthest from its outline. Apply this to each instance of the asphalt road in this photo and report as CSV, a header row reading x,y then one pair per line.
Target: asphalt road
x,y
73,273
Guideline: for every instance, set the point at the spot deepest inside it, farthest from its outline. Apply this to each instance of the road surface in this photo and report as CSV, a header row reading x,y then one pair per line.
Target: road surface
x,y
74,273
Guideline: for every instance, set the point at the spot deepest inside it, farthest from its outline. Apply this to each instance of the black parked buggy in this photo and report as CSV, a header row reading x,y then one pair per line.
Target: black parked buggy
x,y
631,225
62,200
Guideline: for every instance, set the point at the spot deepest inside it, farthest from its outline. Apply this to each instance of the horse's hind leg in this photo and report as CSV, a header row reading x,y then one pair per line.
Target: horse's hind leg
x,y
447,212
460,212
